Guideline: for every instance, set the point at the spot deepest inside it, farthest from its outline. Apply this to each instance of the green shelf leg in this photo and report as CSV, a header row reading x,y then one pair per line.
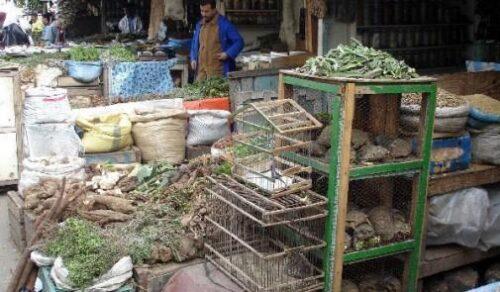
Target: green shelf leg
x,y
333,192
414,262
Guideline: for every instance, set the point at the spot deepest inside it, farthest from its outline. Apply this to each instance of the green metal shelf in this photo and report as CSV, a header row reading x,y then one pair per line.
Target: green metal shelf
x,y
377,252
361,172
342,94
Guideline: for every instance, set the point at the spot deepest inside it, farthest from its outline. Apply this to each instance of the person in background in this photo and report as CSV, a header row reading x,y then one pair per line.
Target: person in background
x,y
50,31
216,43
130,23
36,26
11,34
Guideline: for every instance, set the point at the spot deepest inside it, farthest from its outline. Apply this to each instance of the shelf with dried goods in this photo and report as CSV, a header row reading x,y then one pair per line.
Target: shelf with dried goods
x,y
373,168
259,13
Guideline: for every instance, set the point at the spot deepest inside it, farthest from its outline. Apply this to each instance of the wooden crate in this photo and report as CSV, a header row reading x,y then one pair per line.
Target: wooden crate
x,y
29,224
251,86
15,211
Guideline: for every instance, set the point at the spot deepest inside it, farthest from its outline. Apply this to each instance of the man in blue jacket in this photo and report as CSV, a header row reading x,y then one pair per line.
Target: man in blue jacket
x,y
216,43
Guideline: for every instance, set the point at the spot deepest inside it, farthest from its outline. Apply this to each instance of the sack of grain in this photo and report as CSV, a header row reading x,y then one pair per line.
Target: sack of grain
x,y
451,113
207,126
161,135
55,167
484,108
106,133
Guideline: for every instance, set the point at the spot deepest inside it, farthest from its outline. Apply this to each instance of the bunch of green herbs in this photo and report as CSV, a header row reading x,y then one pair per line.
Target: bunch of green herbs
x,y
209,88
84,54
119,53
357,61
86,253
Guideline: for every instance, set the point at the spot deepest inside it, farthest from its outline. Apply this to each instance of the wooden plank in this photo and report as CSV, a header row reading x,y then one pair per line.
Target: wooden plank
x,y
16,232
66,81
474,176
155,17
344,184
309,27
84,91
439,259
284,91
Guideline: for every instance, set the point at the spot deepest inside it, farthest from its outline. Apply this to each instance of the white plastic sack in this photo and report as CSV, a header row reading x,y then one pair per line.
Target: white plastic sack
x,y
116,277
44,140
207,126
458,217
46,76
491,233
486,146
47,105
35,170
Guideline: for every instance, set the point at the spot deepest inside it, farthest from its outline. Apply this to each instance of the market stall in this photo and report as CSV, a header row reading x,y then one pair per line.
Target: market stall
x,y
347,171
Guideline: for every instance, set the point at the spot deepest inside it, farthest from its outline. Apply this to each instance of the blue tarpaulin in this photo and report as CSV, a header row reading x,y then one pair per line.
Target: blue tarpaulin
x,y
129,79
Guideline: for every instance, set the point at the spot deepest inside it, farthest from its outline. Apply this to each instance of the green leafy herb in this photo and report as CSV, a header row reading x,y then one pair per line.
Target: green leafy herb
x,y
84,54
85,252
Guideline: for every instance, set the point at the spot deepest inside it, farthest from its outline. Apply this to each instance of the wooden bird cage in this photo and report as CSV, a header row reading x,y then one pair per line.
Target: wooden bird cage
x,y
268,134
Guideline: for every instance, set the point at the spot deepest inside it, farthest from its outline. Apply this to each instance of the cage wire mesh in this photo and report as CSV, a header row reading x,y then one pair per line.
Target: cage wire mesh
x,y
379,210
265,244
384,274
272,140
383,131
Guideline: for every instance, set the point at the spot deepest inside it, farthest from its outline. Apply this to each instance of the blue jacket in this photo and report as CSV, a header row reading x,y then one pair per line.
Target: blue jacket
x,y
230,39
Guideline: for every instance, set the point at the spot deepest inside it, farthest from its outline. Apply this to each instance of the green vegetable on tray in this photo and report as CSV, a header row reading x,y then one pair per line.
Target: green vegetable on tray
x,y
357,61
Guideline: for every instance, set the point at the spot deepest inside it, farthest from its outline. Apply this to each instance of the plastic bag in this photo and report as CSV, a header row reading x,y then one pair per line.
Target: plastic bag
x,y
458,217
106,133
486,145
491,234
43,140
116,277
47,105
161,135
207,126
85,72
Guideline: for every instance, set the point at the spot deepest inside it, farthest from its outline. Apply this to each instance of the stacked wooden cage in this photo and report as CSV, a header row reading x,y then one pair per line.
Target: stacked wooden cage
x,y
266,224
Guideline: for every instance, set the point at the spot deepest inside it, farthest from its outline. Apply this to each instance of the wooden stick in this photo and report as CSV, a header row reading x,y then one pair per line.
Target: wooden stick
x,y
25,266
